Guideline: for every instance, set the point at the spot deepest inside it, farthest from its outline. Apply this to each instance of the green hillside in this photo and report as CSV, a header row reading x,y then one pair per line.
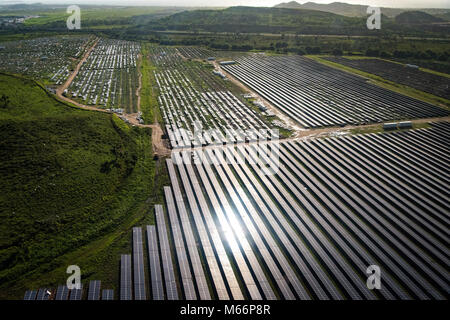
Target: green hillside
x,y
281,20
251,19
353,10
417,17
69,177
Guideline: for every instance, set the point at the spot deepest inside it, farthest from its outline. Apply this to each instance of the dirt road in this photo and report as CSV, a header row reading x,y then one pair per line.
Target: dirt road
x,y
65,85
158,145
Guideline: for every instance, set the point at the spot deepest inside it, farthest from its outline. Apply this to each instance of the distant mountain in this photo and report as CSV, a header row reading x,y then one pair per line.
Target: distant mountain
x,y
417,17
353,10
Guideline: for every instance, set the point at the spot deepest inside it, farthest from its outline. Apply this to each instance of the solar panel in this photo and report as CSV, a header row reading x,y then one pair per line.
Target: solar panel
x,y
199,274
166,255
155,264
242,203
233,242
209,253
62,293
212,230
30,295
236,226
43,294
262,209
94,290
125,277
107,294
180,249
76,294
138,264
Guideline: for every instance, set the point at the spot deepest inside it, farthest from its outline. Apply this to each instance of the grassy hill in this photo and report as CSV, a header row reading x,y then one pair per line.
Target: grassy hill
x,y
73,183
92,16
417,17
352,10
252,19
282,20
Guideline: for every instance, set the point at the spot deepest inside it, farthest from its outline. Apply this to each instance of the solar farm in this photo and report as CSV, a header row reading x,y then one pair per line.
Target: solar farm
x,y
50,58
334,207
358,176
316,95
109,77
408,75
193,99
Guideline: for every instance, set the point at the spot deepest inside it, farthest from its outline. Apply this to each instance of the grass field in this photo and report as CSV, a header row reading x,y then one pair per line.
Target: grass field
x,y
74,182
149,94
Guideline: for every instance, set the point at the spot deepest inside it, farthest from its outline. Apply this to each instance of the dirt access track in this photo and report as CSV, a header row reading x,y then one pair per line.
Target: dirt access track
x,y
158,145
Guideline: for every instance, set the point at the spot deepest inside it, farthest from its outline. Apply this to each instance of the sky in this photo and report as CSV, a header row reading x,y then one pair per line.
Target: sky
x,y
260,3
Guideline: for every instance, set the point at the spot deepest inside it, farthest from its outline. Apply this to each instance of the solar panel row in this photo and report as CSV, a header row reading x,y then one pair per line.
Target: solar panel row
x,y
180,249
94,290
155,264
334,207
62,293
138,265
43,294
125,277
107,294
30,295
166,255
202,285
76,294
213,266
218,247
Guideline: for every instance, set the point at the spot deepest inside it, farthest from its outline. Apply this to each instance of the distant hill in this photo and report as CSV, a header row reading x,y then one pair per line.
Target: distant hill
x,y
352,10
417,17
335,7
444,16
252,19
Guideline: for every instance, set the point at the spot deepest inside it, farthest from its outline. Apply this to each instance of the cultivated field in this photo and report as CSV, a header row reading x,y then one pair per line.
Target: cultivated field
x,y
316,95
